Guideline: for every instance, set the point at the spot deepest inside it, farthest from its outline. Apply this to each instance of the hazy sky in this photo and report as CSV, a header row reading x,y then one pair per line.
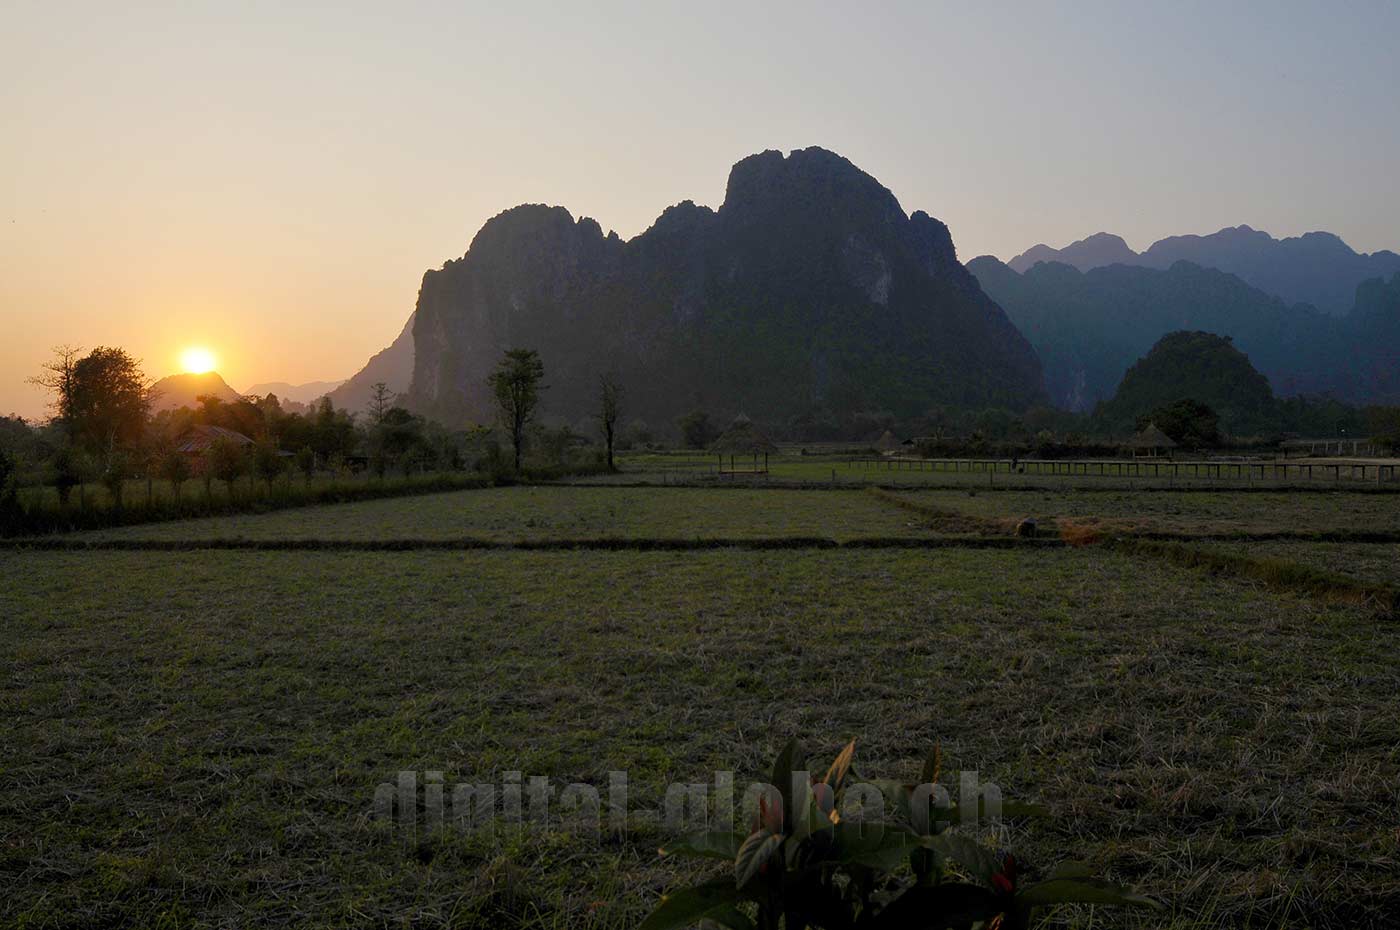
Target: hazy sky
x,y
273,183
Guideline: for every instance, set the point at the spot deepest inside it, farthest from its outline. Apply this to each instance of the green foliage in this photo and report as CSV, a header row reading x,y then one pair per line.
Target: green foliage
x,y
516,386
116,470
226,461
1383,424
1202,366
175,468
1187,422
305,462
805,862
107,405
267,462
697,431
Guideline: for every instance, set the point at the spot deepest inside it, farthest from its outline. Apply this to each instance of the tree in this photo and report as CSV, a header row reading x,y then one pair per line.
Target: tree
x,y
10,512
516,385
379,402
226,462
1383,423
267,461
696,429
115,471
69,470
306,462
58,378
175,468
609,410
1188,422
110,396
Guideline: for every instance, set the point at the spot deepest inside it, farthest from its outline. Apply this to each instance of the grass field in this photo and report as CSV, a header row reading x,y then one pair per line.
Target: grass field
x,y
1188,512
562,513
194,738
1376,563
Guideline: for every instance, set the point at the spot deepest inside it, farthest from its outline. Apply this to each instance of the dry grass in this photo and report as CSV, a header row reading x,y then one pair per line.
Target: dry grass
x,y
199,744
193,737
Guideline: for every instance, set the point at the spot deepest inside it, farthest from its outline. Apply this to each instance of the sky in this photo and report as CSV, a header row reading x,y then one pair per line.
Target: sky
x,y
271,180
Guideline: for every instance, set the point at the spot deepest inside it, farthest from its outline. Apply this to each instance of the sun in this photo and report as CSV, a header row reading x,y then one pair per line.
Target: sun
x,y
197,361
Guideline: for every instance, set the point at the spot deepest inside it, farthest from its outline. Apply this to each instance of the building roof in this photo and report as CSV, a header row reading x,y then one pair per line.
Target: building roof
x,y
200,437
888,442
743,436
1152,438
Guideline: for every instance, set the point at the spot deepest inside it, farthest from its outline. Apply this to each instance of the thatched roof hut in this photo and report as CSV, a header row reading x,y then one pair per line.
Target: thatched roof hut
x,y
198,438
1151,441
743,438
888,443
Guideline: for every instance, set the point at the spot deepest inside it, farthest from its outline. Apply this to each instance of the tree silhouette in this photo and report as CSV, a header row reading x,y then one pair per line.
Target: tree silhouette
x,y
516,386
609,410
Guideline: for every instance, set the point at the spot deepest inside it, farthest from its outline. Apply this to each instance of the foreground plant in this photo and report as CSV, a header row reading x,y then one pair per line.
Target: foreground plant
x,y
803,865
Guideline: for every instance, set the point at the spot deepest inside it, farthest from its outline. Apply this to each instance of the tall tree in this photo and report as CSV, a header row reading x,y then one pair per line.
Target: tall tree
x,y
380,401
609,410
516,385
58,378
107,400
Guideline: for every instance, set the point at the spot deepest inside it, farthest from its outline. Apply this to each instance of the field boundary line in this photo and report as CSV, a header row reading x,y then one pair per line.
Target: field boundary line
x,y
1274,573
527,545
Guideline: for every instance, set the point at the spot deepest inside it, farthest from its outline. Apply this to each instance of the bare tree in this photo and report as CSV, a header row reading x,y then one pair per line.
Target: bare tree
x,y
59,379
609,410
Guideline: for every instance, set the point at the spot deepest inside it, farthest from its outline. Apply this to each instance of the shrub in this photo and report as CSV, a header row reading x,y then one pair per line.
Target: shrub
x,y
803,864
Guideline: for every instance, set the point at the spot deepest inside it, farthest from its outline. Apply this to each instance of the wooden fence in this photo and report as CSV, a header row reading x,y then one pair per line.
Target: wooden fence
x,y
1280,470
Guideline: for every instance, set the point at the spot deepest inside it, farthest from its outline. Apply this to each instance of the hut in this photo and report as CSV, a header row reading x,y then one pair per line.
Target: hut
x,y
887,444
198,438
1151,441
743,439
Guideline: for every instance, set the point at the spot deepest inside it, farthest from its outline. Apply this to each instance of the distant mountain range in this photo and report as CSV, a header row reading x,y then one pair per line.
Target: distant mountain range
x,y
809,295
1089,327
1317,268
297,393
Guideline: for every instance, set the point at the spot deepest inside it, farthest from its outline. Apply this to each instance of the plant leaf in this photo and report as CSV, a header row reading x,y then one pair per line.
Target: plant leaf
x,y
753,854
782,778
731,917
876,845
933,766
1071,868
689,905
841,767
1081,891
712,844
979,861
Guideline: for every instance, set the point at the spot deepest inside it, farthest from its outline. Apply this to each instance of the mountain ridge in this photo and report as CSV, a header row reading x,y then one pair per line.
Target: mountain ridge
x,y
808,293
1316,268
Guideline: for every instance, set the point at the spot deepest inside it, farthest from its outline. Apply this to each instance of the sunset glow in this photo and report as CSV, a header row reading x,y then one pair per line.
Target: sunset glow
x,y
197,361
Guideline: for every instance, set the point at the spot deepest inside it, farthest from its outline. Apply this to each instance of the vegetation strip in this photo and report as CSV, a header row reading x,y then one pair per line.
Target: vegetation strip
x,y
1275,573
1316,536
69,544
943,519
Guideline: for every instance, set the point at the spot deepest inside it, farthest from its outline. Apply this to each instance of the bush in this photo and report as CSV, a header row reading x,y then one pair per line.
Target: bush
x,y
803,862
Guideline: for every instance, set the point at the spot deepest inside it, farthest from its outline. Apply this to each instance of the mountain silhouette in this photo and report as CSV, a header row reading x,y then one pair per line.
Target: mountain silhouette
x,y
297,393
184,390
1093,252
808,293
1088,327
1198,366
1317,268
392,366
